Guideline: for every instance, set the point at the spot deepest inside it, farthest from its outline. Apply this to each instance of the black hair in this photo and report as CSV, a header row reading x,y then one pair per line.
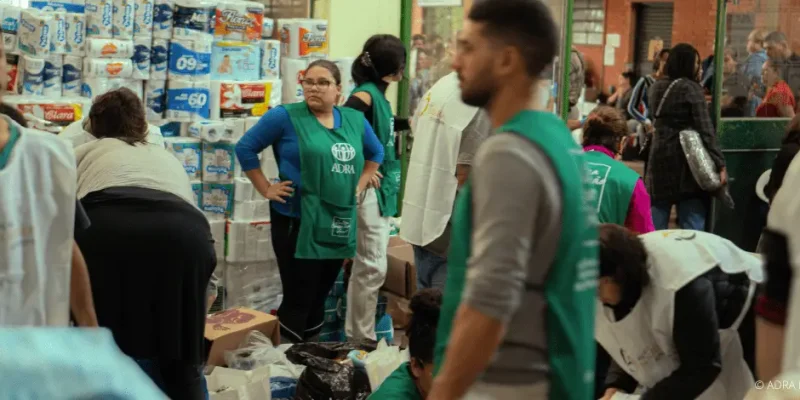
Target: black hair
x,y
330,66
382,55
13,113
630,76
527,25
657,61
623,258
425,306
682,62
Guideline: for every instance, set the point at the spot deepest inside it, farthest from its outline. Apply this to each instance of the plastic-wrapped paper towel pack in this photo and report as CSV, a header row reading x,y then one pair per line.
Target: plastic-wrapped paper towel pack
x,y
239,20
304,38
267,28
189,152
217,200
72,75
231,99
293,70
53,75
122,19
162,18
109,48
235,60
209,131
249,241
143,11
9,23
49,115
76,34
31,74
107,68
190,59
33,33
249,205
155,96
219,160
271,59
58,32
187,101
217,230
159,58
193,18
141,57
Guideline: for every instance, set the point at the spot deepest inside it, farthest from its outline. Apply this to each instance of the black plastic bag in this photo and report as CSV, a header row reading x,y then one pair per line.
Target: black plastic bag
x,y
325,377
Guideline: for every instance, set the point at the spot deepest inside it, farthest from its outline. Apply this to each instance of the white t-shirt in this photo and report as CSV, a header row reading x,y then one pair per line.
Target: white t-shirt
x,y
37,213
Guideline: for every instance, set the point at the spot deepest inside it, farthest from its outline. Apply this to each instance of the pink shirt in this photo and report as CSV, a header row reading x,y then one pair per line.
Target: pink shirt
x,y
639,218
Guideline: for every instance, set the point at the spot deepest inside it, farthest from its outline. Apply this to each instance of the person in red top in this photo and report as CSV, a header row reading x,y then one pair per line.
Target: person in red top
x,y
779,102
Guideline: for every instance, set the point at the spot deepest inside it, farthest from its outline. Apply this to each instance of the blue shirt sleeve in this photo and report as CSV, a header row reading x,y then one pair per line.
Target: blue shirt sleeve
x,y
637,98
373,149
266,131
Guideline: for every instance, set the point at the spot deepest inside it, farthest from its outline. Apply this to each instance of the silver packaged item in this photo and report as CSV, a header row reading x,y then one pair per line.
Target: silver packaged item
x,y
700,163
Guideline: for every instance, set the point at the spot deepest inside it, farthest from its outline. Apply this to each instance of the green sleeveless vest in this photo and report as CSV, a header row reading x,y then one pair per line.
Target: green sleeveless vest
x,y
331,162
570,289
383,125
613,183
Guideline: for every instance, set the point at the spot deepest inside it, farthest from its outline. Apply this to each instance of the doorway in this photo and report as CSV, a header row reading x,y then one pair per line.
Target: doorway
x,y
653,21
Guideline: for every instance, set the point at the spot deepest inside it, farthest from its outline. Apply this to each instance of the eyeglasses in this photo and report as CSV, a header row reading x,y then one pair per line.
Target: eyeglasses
x,y
321,84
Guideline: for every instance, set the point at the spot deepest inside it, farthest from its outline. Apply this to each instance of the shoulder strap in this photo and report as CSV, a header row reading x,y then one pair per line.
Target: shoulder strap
x,y
666,93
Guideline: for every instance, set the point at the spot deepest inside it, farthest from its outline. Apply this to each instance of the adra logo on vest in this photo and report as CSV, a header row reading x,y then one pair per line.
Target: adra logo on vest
x,y
343,152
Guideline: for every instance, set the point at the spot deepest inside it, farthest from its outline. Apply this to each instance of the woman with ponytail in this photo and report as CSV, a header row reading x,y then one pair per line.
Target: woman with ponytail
x,y
381,62
412,380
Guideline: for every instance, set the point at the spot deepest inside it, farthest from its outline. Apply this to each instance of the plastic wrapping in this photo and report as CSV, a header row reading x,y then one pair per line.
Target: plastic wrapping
x,y
325,376
382,362
253,285
257,351
700,163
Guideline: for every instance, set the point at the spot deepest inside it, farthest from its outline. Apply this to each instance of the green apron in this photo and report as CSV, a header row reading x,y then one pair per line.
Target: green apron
x,y
383,125
399,385
5,154
613,183
570,288
331,162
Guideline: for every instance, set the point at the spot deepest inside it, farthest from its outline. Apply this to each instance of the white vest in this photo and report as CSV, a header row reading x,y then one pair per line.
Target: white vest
x,y
37,214
431,184
642,343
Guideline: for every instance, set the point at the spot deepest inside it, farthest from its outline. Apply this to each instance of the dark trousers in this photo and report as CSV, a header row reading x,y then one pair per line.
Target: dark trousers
x,y
747,334
177,380
306,283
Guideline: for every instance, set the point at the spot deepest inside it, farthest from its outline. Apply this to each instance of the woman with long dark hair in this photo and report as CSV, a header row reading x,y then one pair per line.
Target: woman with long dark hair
x,y
149,248
381,62
680,104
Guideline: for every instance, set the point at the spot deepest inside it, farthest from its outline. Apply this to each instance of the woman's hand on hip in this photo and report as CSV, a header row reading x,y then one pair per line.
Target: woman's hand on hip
x,y
375,181
279,191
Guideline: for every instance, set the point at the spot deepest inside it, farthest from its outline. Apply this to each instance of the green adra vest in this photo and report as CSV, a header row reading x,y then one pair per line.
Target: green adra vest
x,y
331,162
613,183
571,285
383,125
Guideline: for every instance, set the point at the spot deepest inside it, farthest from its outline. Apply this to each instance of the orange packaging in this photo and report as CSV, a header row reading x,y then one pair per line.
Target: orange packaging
x,y
61,114
237,21
241,99
304,38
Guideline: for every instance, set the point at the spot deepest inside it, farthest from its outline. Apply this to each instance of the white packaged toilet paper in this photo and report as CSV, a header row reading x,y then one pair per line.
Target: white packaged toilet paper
x,y
345,65
231,99
159,59
219,160
122,21
267,28
58,32
107,67
76,34
234,129
141,57
162,18
92,87
71,76
305,38
269,166
99,18
53,75
155,94
270,59
292,74
244,190
9,25
239,20
143,18
253,210
189,152
217,200
32,76
190,59
33,33
249,241
109,48
209,131
187,100
191,18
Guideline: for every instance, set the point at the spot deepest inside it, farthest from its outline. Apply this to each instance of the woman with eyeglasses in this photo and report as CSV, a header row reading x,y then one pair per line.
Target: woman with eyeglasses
x,y
381,62
326,157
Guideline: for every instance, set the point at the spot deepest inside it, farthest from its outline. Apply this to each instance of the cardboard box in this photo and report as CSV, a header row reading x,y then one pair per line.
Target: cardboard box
x,y
401,275
227,329
398,308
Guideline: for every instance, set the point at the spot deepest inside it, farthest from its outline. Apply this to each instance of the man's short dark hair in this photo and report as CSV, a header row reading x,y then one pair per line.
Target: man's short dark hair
x,y
527,25
776,37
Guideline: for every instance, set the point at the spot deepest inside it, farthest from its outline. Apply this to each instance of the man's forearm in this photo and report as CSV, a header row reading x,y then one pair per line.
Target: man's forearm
x,y
80,294
473,342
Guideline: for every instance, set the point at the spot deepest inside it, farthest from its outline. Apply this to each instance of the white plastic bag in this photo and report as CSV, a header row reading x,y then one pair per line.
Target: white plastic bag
x,y
380,363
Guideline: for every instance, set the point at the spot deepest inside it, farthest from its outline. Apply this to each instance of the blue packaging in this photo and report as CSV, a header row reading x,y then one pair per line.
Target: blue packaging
x,y
218,199
162,18
189,19
238,61
141,58
159,58
189,152
188,102
282,388
171,129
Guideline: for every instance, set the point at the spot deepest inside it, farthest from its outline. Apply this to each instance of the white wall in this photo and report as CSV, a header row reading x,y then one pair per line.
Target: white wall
x,y
352,22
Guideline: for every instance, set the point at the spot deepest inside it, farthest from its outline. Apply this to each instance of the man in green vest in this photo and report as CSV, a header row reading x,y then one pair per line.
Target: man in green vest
x,y
517,319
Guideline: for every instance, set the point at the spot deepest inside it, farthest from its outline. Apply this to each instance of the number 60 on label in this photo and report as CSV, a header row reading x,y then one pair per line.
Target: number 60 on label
x,y
197,100
186,63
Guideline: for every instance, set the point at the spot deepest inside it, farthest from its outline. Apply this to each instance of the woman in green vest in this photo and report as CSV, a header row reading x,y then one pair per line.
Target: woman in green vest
x,y
412,380
326,157
381,62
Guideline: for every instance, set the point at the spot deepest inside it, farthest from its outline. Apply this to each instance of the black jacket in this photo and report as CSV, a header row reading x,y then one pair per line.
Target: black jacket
x,y
710,302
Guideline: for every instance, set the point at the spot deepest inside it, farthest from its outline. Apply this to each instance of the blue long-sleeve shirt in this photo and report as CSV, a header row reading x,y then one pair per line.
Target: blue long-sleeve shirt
x,y
275,129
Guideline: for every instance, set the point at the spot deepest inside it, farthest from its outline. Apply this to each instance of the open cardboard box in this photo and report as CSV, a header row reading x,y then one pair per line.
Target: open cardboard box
x,y
227,329
401,275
